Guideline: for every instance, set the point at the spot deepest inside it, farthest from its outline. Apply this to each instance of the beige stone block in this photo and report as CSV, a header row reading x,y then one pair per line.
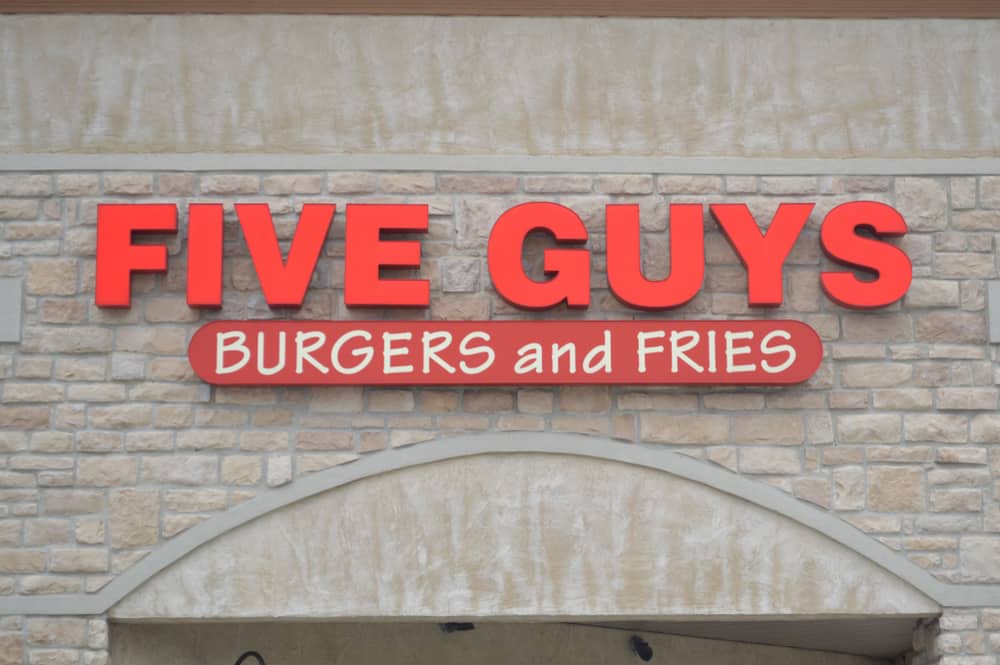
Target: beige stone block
x,y
279,470
121,416
535,401
195,500
407,183
584,399
351,183
50,584
241,470
951,327
176,184
923,202
312,462
813,490
11,209
206,439
848,488
78,184
976,220
175,524
477,183
882,328
520,423
474,218
25,185
462,307
324,440
133,518
156,340
985,428
935,427
989,192
980,557
52,277
180,469
53,631
956,500
24,417
32,392
72,502
770,460
775,429
683,429
869,428
652,401
624,184
89,530
932,293
788,185
128,184
903,399
21,561
380,400
293,183
875,375
106,471
699,184
488,401
264,441
78,560
41,532
230,184
967,399
895,489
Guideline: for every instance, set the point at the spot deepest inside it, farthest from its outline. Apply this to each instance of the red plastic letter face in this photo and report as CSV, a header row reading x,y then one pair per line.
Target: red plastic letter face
x,y
118,258
204,287
570,268
367,253
763,254
842,243
687,257
284,283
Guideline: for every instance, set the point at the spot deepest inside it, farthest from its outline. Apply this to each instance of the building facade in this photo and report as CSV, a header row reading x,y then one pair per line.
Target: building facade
x,y
147,516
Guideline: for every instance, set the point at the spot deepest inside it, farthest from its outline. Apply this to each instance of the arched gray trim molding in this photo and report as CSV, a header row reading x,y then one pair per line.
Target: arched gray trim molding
x,y
765,496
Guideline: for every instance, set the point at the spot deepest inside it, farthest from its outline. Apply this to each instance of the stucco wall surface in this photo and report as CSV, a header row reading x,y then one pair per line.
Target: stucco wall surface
x,y
471,86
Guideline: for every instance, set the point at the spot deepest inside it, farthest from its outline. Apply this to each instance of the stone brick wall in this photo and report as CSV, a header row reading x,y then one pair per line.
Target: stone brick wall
x,y
109,445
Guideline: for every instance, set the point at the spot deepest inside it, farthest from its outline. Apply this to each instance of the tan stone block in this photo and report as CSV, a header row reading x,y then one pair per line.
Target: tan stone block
x,y
324,440
535,401
41,532
11,209
293,183
78,184
788,185
106,471
130,184
980,556
39,462
652,401
180,469
95,392
175,524
21,561
869,428
241,470
584,399
370,441
90,530
10,532
813,490
477,183
935,427
133,519
32,392
783,429
961,455
230,184
78,560
11,649
439,401
624,184
967,399
264,441
976,220
351,183
849,488
169,309
407,183
52,631
956,500
121,416
52,277
380,400
462,307
520,423
312,462
279,470
195,500
74,339
698,184
923,202
148,441
157,340
488,401
989,192
474,218
770,460
24,417
176,184
25,185
985,428
206,439
904,399
72,502
581,424
883,328
895,489
49,584
682,429
951,327
29,231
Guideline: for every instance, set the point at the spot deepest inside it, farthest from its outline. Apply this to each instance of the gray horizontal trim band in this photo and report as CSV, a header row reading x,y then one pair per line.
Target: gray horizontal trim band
x,y
771,498
493,163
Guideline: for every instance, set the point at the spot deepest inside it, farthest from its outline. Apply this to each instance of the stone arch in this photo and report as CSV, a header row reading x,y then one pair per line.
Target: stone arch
x,y
917,592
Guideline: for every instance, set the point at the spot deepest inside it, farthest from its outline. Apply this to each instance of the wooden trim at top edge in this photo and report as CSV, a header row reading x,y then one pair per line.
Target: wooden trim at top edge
x,y
622,8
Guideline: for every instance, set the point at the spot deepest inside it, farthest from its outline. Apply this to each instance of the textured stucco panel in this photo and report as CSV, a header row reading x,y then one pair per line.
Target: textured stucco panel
x,y
522,536
460,85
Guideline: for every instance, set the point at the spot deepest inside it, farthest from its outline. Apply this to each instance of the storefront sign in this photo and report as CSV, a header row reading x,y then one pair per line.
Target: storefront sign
x,y
549,351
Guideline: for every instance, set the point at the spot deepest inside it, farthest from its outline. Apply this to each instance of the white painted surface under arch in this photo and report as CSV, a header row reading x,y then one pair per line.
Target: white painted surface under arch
x,y
523,536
